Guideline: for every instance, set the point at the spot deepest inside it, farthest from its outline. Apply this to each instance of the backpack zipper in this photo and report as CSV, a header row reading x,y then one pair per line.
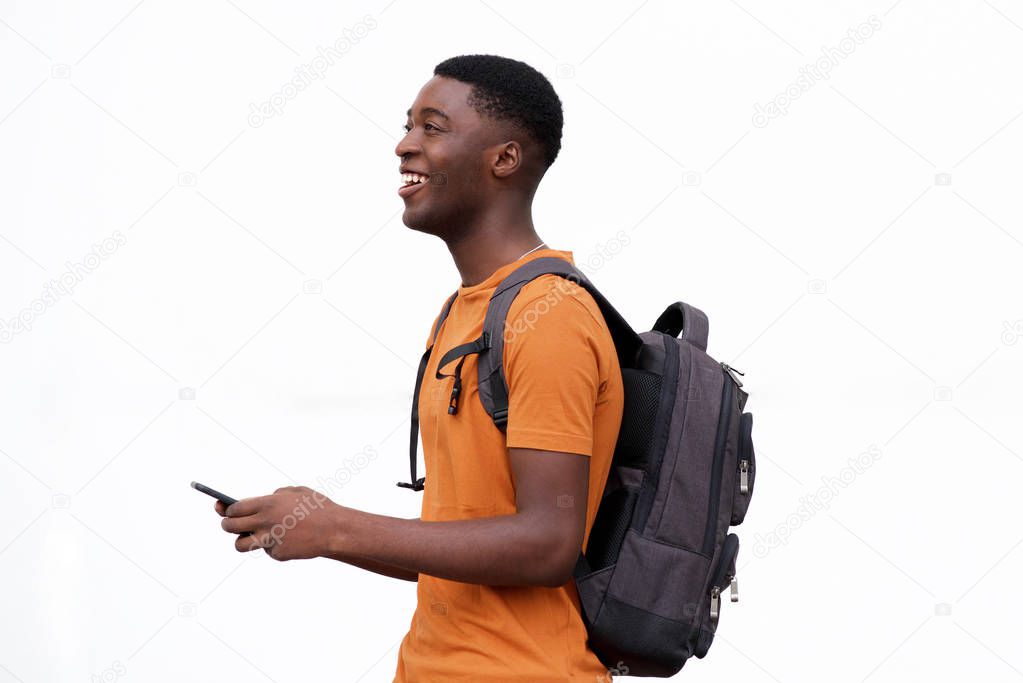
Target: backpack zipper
x,y
722,578
732,372
719,460
745,449
715,598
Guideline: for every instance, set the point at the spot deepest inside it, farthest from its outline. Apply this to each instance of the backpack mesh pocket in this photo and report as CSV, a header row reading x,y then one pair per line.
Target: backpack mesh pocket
x,y
636,435
609,528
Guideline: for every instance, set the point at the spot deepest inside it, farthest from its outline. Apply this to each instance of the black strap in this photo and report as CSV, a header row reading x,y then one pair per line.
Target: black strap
x,y
417,484
493,388
478,345
414,483
582,567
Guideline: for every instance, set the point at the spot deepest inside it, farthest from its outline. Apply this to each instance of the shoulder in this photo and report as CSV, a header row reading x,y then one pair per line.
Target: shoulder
x,y
559,299
556,325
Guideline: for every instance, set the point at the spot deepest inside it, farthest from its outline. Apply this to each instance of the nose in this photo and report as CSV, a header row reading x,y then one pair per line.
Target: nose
x,y
405,146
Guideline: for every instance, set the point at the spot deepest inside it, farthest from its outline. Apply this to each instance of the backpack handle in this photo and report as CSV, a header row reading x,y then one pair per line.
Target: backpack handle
x,y
680,317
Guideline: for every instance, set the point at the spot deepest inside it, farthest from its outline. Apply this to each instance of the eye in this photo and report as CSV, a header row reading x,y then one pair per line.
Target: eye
x,y
427,126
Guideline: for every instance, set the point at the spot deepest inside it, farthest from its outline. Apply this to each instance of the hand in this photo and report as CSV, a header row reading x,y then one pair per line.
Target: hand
x,y
293,523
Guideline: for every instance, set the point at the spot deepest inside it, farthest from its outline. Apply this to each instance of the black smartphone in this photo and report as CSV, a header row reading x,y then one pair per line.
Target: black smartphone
x,y
225,499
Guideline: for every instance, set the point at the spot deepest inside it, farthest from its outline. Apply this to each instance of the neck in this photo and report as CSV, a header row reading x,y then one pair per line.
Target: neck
x,y
479,254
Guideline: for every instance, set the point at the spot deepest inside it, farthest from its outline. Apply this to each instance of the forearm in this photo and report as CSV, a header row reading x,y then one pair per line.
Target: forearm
x,y
507,550
384,569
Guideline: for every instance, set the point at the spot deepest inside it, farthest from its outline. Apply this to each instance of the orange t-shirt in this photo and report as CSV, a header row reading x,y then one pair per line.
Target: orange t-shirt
x,y
565,394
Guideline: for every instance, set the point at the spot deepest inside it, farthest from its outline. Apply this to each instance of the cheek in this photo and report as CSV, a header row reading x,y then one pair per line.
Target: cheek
x,y
457,176
464,168
470,173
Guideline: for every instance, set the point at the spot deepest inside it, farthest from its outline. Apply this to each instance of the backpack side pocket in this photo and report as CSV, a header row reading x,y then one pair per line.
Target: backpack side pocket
x,y
746,472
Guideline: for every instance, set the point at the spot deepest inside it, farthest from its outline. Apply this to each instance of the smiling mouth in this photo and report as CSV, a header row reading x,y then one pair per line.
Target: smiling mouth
x,y
412,182
411,188
414,178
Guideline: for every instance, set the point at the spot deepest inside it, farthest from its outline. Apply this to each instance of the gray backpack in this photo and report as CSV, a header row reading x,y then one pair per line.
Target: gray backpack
x,y
659,555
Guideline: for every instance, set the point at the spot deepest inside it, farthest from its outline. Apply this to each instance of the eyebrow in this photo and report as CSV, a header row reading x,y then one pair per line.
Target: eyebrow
x,y
429,110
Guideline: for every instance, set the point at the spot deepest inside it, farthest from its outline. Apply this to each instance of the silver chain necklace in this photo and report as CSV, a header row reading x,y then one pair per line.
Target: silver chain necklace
x,y
542,244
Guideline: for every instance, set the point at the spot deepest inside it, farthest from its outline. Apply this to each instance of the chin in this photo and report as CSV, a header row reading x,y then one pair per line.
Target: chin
x,y
430,222
415,222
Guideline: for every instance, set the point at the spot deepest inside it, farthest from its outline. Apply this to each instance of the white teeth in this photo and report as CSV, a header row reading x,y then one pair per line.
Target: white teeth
x,y
410,178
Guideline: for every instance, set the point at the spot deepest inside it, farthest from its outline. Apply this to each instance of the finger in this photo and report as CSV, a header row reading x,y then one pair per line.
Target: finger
x,y
274,550
246,506
240,525
245,544
220,508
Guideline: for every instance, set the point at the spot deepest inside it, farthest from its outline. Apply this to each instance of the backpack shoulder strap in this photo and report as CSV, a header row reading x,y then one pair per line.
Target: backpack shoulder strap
x,y
414,483
493,388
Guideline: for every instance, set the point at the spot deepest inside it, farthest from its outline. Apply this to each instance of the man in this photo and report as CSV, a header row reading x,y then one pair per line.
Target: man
x,y
505,514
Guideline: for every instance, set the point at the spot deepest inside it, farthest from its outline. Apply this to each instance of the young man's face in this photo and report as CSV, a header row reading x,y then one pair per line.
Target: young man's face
x,y
446,140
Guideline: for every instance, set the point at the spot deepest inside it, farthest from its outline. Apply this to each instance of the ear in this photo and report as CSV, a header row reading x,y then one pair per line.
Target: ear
x,y
507,159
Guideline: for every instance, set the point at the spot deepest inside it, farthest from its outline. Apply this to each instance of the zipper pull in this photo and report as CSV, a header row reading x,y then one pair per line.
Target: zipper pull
x,y
735,589
732,372
715,604
744,476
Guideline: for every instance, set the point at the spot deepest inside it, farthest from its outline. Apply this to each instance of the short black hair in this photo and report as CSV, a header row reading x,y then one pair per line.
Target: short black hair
x,y
511,90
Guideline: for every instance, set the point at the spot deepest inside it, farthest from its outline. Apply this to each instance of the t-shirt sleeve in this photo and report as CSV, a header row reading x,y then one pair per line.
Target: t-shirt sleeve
x,y
553,358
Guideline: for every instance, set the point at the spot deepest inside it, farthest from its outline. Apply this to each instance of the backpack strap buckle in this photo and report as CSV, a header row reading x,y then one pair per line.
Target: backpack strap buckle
x,y
416,485
478,345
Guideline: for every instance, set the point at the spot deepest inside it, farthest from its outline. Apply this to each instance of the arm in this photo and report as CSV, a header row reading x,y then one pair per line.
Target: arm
x,y
369,565
385,569
537,545
554,385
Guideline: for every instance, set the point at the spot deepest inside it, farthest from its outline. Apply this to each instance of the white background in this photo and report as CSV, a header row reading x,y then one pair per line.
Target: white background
x,y
859,258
